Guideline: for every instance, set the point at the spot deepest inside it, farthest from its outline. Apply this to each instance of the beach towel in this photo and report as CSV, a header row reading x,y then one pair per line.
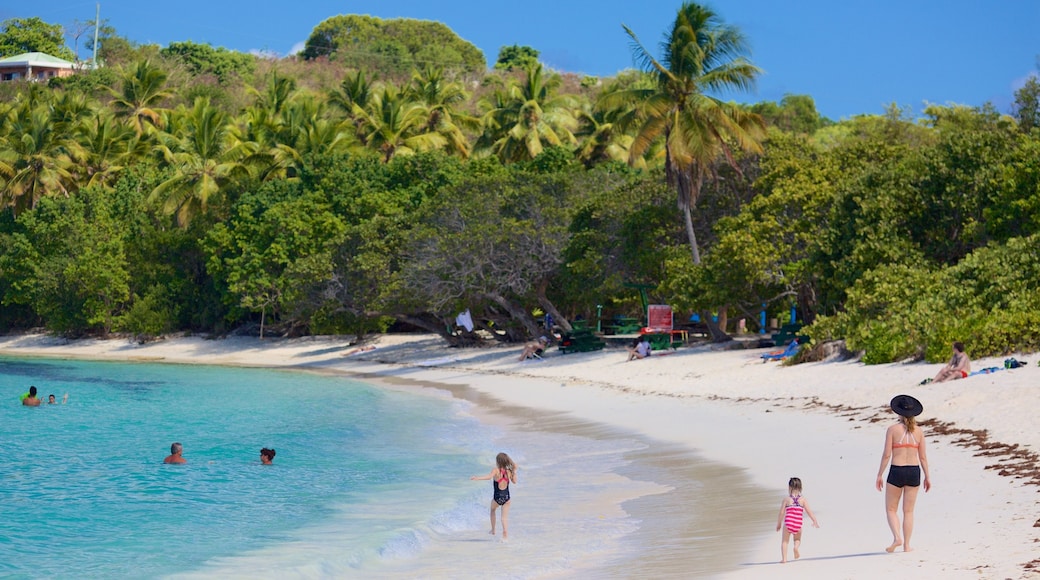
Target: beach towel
x,y
791,350
985,371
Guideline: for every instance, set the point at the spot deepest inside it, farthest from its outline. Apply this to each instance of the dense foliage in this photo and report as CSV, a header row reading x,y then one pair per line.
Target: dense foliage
x,y
190,188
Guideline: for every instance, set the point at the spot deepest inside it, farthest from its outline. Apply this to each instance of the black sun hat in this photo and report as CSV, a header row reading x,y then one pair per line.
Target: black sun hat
x,y
906,406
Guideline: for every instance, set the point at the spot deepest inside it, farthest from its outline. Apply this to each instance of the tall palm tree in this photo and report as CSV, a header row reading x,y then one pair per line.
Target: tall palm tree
x,y
393,124
701,55
528,116
204,157
142,90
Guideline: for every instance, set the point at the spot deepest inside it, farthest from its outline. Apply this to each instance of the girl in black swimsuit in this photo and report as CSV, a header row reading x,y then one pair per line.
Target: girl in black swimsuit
x,y
500,476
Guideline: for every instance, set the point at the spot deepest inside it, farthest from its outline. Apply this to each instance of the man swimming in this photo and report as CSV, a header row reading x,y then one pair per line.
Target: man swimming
x,y
30,400
175,454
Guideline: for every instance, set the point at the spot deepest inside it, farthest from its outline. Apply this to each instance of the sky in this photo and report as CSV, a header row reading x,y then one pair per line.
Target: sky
x,y
852,56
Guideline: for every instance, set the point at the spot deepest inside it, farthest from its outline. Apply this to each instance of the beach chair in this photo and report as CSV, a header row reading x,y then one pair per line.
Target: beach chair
x,y
791,350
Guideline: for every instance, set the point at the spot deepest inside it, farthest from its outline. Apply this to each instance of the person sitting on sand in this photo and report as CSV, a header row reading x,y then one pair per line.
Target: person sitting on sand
x,y
266,456
640,348
30,400
534,347
959,366
175,454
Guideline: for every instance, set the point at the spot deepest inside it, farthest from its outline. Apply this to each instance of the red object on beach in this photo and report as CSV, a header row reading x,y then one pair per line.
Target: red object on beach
x,y
658,319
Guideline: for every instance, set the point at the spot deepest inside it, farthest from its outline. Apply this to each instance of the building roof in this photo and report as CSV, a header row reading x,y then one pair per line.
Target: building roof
x,y
36,59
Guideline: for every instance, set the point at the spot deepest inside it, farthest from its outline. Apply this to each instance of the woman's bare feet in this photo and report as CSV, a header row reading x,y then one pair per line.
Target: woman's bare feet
x,y
894,545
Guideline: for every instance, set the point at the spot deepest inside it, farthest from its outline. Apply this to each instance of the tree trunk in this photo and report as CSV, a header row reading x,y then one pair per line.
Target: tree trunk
x,y
549,307
692,235
689,191
517,313
438,329
717,334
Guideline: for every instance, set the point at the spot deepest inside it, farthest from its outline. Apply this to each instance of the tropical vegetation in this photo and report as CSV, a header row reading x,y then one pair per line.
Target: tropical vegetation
x,y
189,188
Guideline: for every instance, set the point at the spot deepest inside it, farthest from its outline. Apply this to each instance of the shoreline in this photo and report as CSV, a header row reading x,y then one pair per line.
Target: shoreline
x,y
819,421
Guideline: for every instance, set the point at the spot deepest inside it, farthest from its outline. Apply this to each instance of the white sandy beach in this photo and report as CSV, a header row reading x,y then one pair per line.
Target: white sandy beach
x,y
823,422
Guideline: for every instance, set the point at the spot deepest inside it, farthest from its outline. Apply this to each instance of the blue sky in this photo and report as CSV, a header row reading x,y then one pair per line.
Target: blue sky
x,y
851,56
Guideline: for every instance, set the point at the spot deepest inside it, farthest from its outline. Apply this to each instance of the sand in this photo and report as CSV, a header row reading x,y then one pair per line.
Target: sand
x,y
823,422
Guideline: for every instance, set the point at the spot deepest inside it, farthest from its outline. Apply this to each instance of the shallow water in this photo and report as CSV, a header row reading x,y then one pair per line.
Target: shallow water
x,y
365,481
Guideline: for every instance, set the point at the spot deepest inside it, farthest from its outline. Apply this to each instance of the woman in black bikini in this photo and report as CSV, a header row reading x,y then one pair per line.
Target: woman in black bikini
x,y
905,448
500,476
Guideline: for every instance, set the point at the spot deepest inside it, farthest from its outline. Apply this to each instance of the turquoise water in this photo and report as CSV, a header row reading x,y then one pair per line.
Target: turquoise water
x,y
84,483
367,482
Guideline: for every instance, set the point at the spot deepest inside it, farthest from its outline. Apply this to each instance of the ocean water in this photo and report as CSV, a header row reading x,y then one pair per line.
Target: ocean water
x,y
367,481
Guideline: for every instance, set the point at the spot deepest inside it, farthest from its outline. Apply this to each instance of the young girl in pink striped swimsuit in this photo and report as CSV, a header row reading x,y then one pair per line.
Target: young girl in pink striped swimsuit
x,y
790,518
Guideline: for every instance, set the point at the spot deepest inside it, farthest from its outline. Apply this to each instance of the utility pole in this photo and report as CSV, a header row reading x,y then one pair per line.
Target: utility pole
x,y
97,23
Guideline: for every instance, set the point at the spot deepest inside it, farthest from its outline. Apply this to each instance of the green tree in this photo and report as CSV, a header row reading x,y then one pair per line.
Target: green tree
x,y
442,100
516,57
528,116
492,242
1026,108
701,55
393,124
203,59
277,246
796,113
395,46
36,157
204,160
141,91
68,263
105,148
20,35
607,128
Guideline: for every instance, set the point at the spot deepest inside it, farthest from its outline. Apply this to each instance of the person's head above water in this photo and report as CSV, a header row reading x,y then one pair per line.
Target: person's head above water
x,y
176,448
32,391
267,455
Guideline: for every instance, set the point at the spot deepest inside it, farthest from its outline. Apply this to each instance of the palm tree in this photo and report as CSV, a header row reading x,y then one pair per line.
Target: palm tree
x,y
36,157
701,55
106,147
526,117
607,128
205,158
441,98
355,91
143,88
392,124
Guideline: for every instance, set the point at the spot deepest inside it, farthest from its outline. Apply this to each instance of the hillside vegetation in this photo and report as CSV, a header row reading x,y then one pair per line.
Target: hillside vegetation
x,y
387,177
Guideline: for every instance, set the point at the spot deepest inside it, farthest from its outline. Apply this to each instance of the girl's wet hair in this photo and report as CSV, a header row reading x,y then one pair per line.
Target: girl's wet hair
x,y
267,452
795,484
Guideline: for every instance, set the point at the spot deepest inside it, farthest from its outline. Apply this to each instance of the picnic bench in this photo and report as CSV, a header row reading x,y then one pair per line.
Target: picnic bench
x,y
580,339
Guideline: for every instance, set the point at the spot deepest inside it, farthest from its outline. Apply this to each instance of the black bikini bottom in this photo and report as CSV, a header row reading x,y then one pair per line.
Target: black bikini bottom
x,y
904,475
